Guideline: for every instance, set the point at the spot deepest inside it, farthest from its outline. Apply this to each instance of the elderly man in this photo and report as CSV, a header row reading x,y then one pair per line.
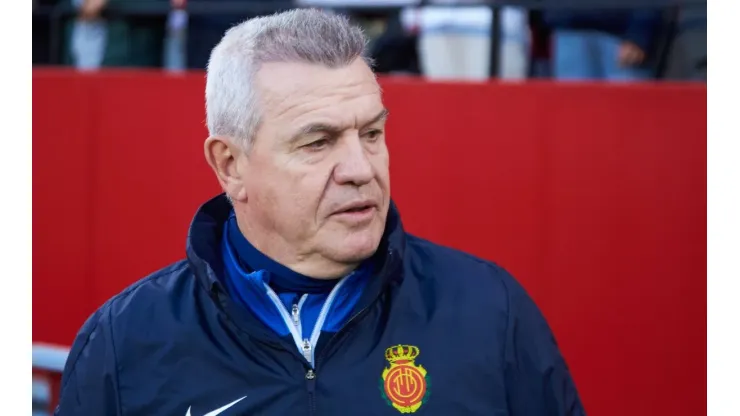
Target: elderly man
x,y
301,292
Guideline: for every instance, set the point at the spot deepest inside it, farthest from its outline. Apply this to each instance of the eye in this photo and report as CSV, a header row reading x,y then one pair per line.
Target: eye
x,y
317,144
373,135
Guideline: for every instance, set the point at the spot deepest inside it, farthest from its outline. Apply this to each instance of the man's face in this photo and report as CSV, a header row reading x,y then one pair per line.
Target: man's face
x,y
317,174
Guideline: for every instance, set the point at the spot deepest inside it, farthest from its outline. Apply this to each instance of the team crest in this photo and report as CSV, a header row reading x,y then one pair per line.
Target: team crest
x,y
404,385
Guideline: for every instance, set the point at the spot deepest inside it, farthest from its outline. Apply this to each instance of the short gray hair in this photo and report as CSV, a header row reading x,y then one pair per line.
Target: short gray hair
x,y
301,35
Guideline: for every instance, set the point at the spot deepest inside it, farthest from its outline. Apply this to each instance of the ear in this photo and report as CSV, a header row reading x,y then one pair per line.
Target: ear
x,y
223,155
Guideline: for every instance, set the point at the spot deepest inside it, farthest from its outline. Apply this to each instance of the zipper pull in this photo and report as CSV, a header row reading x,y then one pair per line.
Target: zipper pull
x,y
310,375
296,314
307,350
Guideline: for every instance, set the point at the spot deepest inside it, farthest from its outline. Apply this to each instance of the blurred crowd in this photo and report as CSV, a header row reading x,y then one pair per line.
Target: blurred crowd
x,y
467,40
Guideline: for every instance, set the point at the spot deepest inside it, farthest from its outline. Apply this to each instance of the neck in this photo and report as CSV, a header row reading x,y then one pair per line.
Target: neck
x,y
271,244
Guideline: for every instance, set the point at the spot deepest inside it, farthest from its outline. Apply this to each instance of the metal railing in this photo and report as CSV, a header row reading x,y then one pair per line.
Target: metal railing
x,y
48,362
133,8
49,357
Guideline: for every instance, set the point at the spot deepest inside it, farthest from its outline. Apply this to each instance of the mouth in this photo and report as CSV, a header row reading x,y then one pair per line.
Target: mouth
x,y
357,210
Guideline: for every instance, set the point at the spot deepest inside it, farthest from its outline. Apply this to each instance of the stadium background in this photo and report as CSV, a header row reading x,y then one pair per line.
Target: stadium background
x,y
592,194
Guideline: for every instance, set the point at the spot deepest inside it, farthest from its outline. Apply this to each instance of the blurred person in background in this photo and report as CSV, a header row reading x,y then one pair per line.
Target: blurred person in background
x,y
454,42
301,291
95,40
89,35
611,45
175,54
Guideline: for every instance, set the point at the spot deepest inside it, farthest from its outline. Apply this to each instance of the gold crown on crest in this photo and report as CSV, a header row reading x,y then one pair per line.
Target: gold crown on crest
x,y
401,353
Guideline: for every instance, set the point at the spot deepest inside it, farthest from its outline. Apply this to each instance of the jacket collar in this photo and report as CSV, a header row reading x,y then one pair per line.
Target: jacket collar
x,y
206,231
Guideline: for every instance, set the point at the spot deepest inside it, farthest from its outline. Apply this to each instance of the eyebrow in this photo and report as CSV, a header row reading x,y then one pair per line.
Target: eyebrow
x,y
334,130
382,115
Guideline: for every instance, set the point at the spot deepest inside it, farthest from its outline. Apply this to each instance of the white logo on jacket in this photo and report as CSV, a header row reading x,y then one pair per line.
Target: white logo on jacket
x,y
220,409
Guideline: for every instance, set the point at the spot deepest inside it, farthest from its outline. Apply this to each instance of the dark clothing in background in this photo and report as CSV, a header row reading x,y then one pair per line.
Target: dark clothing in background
x,y
687,55
205,31
642,27
396,49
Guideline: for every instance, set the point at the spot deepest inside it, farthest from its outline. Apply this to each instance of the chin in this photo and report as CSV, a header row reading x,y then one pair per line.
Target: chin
x,y
348,242
357,247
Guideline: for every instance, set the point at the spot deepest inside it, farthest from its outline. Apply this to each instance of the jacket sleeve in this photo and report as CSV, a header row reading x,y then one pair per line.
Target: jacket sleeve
x,y
538,382
89,382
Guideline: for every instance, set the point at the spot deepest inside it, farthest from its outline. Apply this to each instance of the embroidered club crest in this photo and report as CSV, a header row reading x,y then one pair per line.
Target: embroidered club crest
x,y
404,385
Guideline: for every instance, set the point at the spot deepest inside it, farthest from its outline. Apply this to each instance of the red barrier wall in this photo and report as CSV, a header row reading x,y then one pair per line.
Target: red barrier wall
x,y
593,196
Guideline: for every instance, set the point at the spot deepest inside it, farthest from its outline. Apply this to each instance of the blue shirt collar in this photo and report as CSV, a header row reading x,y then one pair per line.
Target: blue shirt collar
x,y
279,277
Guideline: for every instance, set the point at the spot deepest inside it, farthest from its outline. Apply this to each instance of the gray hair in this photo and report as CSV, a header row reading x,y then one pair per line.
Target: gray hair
x,y
301,35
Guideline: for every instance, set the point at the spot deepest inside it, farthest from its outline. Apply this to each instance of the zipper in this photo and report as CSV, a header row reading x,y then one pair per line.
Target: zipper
x,y
295,313
311,373
293,324
306,345
311,387
305,349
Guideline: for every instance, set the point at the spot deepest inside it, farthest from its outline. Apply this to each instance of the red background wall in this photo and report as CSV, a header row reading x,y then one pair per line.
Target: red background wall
x,y
593,196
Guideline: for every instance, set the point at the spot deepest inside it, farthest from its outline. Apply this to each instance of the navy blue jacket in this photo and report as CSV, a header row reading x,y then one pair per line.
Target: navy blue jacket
x,y
435,332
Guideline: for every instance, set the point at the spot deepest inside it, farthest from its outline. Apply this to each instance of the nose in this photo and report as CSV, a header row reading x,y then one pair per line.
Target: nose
x,y
353,166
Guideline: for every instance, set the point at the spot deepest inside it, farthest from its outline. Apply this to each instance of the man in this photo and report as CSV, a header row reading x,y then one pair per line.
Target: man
x,y
301,292
96,40
610,45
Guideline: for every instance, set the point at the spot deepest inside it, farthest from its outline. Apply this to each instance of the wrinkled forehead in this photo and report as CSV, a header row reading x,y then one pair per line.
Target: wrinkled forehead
x,y
292,94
